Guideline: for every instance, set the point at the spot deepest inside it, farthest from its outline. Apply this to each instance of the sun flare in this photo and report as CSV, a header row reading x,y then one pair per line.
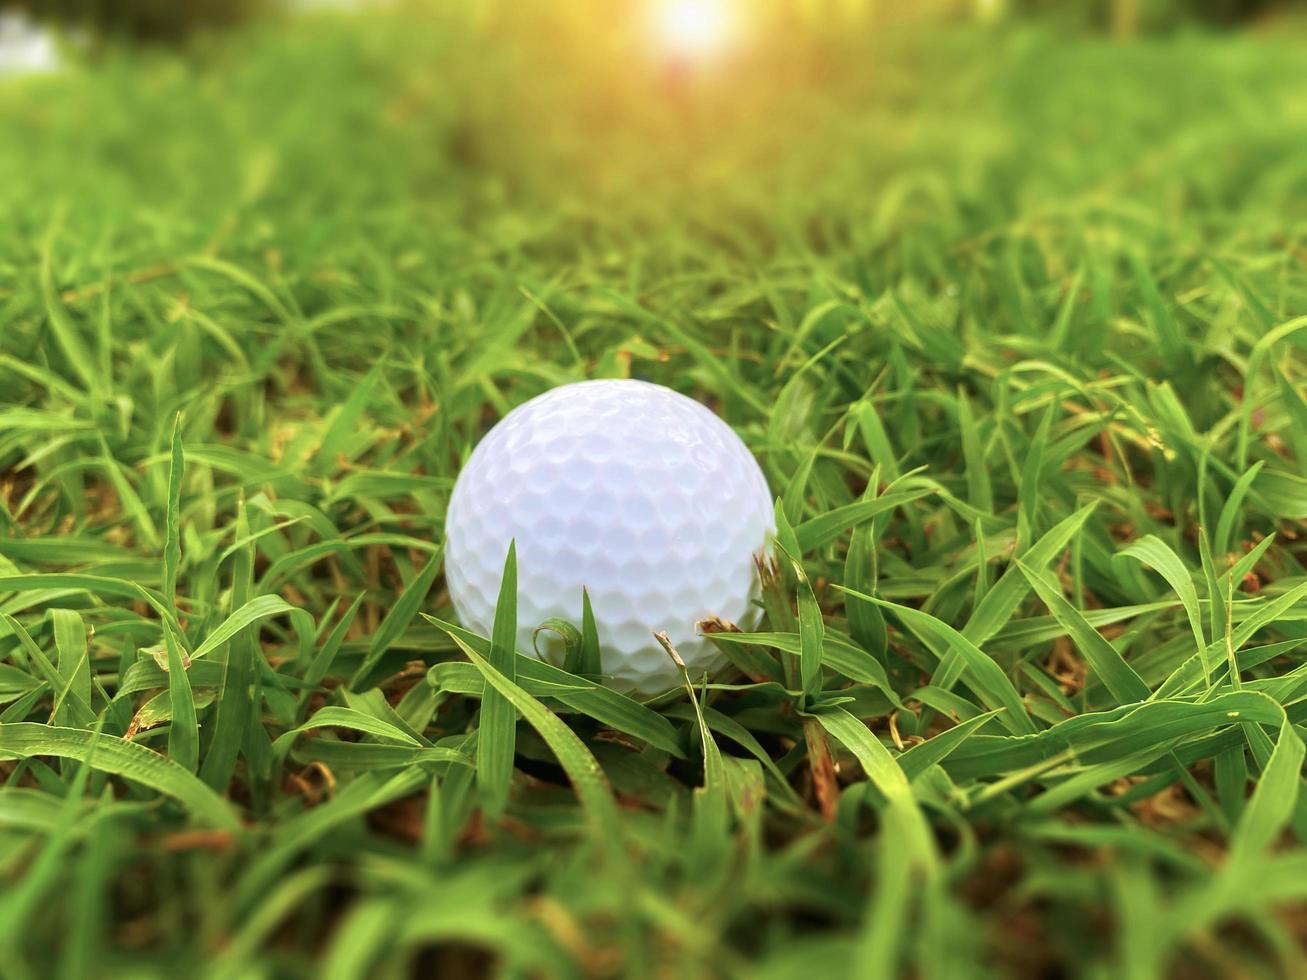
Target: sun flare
x,y
696,28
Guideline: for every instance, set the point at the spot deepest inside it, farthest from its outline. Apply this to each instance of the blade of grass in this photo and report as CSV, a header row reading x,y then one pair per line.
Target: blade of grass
x,y
184,731
497,732
583,770
1106,662
172,547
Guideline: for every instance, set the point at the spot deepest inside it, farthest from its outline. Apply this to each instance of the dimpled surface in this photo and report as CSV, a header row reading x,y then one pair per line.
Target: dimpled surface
x,y
637,493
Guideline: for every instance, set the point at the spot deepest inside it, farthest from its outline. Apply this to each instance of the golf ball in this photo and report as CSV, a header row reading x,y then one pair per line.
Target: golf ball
x,y
638,494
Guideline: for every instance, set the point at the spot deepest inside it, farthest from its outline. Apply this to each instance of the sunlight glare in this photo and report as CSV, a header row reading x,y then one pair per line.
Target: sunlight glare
x,y
695,28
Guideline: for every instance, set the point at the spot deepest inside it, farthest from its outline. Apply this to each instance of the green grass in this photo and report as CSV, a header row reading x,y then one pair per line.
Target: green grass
x,y
1014,324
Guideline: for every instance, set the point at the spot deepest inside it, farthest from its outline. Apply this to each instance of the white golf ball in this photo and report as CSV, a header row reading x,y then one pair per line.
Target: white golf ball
x,y
638,494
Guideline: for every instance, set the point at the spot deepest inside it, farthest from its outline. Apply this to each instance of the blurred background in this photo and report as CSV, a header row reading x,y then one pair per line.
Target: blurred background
x,y
923,161
941,166
164,20
366,143
859,115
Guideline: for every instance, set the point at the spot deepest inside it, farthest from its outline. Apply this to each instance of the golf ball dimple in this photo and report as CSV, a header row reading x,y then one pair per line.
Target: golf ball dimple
x,y
629,490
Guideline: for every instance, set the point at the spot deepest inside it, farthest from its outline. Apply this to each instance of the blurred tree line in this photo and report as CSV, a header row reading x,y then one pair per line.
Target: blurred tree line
x,y
1129,17
173,20
149,20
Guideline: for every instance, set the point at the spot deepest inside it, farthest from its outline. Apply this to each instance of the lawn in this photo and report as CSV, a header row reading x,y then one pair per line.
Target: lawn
x,y
1012,317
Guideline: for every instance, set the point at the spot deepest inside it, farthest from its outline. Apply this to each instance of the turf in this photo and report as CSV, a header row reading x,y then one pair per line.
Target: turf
x,y
1013,321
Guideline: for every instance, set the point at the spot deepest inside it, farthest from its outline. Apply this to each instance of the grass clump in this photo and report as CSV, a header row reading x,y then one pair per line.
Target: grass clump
x,y
1014,325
